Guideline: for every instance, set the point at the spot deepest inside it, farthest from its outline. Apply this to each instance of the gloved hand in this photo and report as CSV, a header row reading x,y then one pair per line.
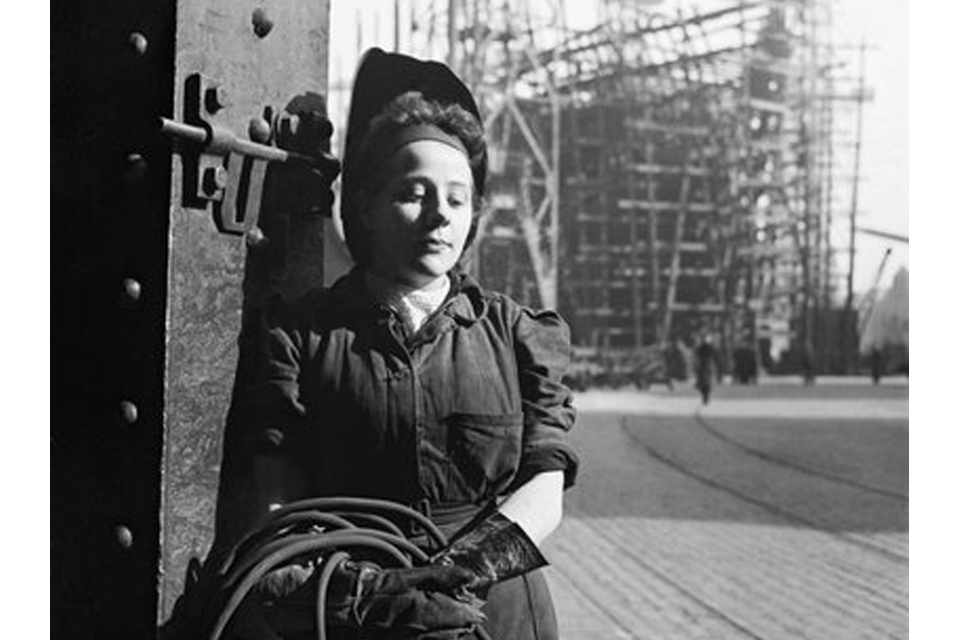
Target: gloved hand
x,y
414,604
493,550
281,602
304,187
410,601
283,582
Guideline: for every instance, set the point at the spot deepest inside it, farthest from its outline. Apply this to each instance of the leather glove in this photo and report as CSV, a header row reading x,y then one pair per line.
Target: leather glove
x,y
304,187
281,602
494,550
413,604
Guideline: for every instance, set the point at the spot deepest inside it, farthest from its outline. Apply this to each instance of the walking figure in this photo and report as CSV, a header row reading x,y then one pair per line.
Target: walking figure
x,y
707,366
806,365
876,364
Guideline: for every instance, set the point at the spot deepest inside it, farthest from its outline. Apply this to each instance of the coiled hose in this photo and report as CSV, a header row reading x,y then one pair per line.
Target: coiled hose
x,y
331,528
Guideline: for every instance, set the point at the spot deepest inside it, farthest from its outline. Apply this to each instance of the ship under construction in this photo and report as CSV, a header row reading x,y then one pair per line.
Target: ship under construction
x,y
661,176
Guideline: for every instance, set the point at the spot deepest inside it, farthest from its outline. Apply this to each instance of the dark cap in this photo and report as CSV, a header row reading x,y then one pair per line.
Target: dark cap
x,y
380,78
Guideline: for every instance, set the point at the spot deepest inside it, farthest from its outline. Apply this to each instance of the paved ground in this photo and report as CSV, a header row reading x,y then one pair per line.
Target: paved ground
x,y
777,512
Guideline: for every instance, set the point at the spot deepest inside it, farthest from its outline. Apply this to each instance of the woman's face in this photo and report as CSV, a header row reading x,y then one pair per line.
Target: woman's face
x,y
420,215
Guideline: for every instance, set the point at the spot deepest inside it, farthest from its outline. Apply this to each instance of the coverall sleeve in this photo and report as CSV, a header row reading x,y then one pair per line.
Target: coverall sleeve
x,y
276,410
542,344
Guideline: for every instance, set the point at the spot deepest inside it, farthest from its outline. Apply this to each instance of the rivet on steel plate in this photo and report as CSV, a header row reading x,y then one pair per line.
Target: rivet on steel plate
x,y
132,289
138,42
255,238
128,412
124,536
262,25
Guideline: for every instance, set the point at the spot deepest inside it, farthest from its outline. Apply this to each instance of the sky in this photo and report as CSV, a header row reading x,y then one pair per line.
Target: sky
x,y
883,193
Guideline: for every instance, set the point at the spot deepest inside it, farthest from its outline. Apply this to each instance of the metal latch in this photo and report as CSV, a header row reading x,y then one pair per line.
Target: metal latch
x,y
227,170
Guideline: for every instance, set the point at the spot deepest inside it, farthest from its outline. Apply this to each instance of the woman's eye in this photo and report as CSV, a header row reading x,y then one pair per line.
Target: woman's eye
x,y
411,195
457,200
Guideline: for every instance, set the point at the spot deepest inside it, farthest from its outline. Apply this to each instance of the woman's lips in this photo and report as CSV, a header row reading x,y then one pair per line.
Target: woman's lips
x,y
435,243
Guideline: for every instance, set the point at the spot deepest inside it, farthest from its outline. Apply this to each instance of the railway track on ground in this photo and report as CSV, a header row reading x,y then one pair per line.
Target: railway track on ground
x,y
774,509
783,462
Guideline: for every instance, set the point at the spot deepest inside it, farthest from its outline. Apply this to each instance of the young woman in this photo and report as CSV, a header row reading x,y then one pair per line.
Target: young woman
x,y
408,381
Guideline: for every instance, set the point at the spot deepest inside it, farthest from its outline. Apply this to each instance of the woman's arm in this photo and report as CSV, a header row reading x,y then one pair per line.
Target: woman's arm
x,y
275,410
537,505
505,544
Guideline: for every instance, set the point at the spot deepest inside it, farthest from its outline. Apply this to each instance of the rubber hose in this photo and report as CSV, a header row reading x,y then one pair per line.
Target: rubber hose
x,y
326,574
258,554
296,548
290,520
365,505
277,541
371,520
251,544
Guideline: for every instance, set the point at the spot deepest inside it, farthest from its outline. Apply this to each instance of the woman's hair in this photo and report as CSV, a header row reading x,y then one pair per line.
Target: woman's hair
x,y
406,110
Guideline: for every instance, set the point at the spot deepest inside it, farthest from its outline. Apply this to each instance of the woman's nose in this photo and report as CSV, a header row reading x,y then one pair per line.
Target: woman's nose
x,y
438,212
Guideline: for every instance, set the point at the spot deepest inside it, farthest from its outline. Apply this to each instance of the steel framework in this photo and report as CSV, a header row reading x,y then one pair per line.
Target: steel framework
x,y
657,176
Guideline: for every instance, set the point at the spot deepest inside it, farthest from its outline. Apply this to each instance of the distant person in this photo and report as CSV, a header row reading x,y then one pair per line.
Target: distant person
x,y
806,365
876,364
707,366
744,364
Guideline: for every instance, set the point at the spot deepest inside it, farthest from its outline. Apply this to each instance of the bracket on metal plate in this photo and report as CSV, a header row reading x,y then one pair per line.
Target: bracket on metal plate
x,y
224,169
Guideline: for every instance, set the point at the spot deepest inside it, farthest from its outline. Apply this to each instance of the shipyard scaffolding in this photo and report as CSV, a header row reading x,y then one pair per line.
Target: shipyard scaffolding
x,y
658,177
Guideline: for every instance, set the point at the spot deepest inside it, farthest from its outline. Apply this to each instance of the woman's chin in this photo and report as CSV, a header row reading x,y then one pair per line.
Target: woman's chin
x,y
434,266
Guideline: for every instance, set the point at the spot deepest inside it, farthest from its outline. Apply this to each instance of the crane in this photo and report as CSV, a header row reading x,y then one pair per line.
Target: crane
x,y
884,234
870,301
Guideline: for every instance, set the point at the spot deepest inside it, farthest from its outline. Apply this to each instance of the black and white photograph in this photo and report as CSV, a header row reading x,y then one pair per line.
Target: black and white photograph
x,y
485,320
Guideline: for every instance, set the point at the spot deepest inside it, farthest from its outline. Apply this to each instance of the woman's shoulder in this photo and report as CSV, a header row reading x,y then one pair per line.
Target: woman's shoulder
x,y
316,307
486,303
516,314
290,314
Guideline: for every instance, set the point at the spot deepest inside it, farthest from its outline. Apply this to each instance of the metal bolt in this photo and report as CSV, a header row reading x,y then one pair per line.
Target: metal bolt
x,y
262,25
132,289
214,99
214,180
138,42
128,412
259,130
255,238
124,536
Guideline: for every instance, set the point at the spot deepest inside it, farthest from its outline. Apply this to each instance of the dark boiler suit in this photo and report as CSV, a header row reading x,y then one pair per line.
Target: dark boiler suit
x,y
447,420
